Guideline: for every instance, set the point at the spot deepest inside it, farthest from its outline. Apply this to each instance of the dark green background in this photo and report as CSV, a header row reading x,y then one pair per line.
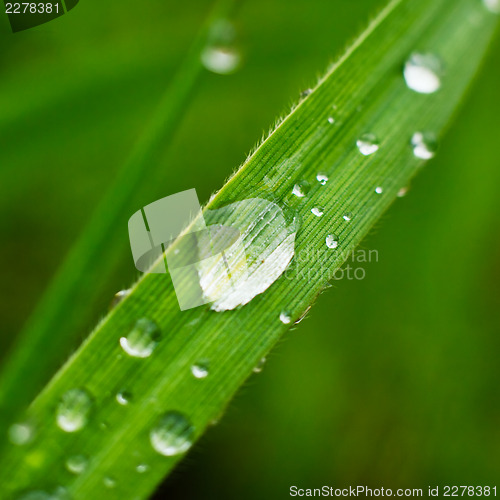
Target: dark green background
x,y
391,381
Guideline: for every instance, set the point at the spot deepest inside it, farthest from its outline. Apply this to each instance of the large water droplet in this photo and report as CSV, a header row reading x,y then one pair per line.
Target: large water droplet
x,y
172,435
142,339
492,5
424,145
77,464
123,398
422,73
318,211
200,369
301,188
73,410
368,144
322,178
285,317
21,433
332,241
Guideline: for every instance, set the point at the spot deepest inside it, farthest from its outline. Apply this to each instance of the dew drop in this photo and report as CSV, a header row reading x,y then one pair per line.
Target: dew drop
x,y
318,211
77,464
142,468
21,433
402,192
260,366
347,216
200,369
305,93
379,190
322,178
221,60
123,398
421,73
172,435
331,120
368,144
142,339
332,241
73,410
301,188
492,5
109,482
424,145
285,317
119,297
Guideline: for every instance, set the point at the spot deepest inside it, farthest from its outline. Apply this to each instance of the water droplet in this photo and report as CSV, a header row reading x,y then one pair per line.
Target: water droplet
x,y
119,297
347,216
220,54
73,410
331,120
402,192
142,339
172,435
301,188
332,241
142,468
318,211
492,5
368,144
21,433
322,178
424,145
285,317
200,369
77,464
305,93
109,482
123,398
379,190
260,366
421,73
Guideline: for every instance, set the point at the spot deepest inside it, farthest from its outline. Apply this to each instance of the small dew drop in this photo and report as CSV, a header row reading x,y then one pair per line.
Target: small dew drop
x,y
347,216
305,93
285,317
332,241
109,482
421,73
119,297
260,366
379,190
424,145
331,120
300,189
322,178
402,192
172,435
368,144
142,468
142,339
123,398
318,211
492,5
200,369
21,433
221,60
77,464
73,410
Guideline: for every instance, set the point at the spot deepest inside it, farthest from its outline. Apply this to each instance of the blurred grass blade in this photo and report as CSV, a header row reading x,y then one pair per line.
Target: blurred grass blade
x,y
344,152
57,323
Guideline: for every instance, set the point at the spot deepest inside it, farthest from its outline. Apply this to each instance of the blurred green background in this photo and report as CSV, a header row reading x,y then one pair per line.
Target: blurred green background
x,y
390,381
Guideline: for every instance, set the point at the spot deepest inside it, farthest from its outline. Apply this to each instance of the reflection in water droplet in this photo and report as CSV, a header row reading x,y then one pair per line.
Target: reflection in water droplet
x,y
332,241
421,73
109,482
331,120
322,178
402,192
123,398
119,297
142,339
379,190
424,145
73,410
76,464
492,5
21,433
260,366
200,369
172,435
318,211
368,144
285,317
301,188
347,216
142,468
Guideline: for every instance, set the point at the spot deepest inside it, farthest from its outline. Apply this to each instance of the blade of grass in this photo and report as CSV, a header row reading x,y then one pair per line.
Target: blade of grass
x,y
57,322
364,93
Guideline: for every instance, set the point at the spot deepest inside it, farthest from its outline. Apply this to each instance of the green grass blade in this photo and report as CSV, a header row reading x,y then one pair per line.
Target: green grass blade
x,y
363,93
57,323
